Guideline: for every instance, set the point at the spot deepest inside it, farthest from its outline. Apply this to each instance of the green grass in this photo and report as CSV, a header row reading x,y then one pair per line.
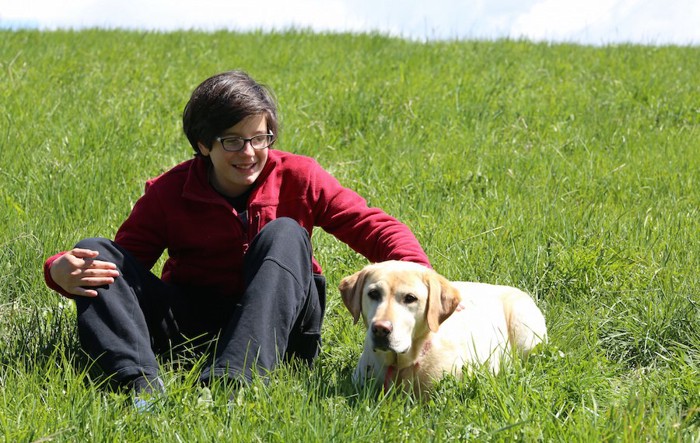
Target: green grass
x,y
569,171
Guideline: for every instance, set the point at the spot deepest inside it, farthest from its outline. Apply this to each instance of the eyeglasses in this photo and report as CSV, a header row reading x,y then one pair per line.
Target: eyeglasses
x,y
235,144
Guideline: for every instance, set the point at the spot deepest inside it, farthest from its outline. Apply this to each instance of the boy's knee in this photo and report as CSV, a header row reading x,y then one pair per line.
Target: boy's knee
x,y
94,243
107,249
284,232
284,242
285,227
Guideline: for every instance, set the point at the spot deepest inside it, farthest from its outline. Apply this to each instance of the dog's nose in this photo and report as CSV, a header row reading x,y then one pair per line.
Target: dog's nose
x,y
382,328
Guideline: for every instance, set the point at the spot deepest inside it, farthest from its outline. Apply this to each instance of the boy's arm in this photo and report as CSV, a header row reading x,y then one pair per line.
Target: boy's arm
x,y
369,231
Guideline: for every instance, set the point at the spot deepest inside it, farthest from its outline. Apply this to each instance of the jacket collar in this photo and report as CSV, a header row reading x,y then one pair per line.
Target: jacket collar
x,y
198,188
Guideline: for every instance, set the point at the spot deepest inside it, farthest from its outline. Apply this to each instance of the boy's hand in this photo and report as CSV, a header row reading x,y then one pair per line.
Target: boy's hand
x,y
77,270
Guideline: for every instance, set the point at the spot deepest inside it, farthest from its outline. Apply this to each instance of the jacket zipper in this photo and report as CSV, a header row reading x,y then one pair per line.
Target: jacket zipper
x,y
254,226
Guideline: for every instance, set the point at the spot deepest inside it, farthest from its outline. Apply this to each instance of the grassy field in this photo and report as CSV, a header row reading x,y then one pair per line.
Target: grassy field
x,y
571,172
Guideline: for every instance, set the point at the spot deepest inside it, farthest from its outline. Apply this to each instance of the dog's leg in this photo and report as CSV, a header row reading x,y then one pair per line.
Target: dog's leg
x,y
526,324
368,368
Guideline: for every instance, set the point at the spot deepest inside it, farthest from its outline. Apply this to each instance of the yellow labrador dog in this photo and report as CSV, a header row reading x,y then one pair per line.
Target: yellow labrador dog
x,y
420,326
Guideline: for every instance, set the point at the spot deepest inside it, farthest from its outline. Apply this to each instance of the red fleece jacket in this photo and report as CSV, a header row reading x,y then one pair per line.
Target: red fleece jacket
x,y
180,212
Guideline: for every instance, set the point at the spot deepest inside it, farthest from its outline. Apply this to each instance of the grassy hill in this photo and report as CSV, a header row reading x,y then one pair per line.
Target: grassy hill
x,y
569,171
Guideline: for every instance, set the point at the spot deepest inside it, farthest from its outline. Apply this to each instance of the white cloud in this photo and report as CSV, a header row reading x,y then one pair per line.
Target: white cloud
x,y
178,14
605,21
584,21
556,18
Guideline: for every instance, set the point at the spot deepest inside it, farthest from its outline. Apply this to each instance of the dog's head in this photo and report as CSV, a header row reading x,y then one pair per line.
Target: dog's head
x,y
399,302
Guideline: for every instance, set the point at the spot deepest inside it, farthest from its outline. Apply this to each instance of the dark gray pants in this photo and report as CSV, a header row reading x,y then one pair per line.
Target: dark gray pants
x,y
139,316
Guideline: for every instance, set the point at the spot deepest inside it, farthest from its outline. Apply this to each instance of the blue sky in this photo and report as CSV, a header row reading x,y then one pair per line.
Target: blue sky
x,y
595,22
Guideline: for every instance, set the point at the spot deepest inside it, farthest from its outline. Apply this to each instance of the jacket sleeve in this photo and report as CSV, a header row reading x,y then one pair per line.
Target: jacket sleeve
x,y
369,231
49,280
144,232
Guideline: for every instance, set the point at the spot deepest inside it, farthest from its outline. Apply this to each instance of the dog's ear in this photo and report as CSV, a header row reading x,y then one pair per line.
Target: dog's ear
x,y
351,290
443,299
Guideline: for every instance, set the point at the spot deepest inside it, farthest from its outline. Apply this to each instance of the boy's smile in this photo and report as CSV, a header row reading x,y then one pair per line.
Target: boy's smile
x,y
233,173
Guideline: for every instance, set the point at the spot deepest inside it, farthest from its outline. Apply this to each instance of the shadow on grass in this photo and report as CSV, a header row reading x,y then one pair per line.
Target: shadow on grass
x,y
40,339
32,336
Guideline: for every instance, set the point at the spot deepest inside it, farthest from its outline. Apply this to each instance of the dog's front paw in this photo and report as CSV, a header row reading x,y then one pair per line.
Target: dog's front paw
x,y
361,374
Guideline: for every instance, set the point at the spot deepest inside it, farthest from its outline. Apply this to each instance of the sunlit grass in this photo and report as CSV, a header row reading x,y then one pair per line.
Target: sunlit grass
x,y
569,171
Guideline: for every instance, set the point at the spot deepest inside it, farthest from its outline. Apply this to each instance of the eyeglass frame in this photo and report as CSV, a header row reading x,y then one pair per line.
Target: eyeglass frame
x,y
246,141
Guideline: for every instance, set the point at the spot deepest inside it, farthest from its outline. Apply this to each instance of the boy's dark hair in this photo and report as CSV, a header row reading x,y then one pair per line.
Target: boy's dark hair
x,y
223,100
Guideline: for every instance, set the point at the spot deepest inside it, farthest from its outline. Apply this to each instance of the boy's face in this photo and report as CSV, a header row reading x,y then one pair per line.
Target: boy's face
x,y
233,173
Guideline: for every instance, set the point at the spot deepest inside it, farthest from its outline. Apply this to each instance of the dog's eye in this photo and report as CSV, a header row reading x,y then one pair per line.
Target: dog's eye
x,y
409,298
374,294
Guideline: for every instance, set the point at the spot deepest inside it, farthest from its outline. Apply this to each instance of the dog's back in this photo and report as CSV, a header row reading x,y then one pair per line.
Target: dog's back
x,y
493,319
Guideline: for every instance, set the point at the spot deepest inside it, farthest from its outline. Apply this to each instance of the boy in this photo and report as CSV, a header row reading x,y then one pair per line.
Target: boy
x,y
236,221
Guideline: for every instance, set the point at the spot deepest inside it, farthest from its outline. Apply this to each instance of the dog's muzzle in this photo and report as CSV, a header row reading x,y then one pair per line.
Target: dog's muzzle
x,y
381,333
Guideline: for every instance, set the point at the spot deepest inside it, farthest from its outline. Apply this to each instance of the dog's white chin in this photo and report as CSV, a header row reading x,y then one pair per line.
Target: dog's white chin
x,y
393,350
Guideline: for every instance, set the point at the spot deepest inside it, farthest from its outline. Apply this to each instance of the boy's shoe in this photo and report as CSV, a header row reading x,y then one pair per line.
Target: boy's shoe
x,y
147,391
205,399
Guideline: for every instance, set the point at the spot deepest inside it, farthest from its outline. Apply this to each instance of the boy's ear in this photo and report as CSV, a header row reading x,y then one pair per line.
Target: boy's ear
x,y
203,149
